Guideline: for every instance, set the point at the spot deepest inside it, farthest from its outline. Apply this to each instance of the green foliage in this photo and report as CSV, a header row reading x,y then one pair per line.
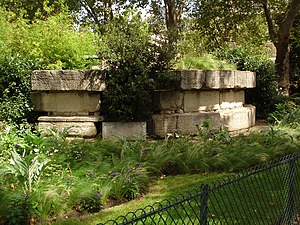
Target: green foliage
x,y
265,95
131,182
14,207
221,23
46,178
285,112
54,42
191,43
31,10
206,62
128,54
27,171
295,51
15,85
276,116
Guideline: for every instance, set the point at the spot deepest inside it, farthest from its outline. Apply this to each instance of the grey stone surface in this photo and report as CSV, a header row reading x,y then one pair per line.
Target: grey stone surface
x,y
67,80
232,96
192,79
216,79
200,100
128,130
74,129
70,119
168,100
184,123
195,100
212,79
227,79
63,103
240,79
251,80
238,118
233,119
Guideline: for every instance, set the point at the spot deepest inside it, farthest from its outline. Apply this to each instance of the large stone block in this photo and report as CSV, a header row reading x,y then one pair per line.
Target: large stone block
x,y
66,103
232,96
184,123
201,100
238,118
251,79
192,79
227,79
244,79
212,79
80,126
68,80
216,79
128,130
168,101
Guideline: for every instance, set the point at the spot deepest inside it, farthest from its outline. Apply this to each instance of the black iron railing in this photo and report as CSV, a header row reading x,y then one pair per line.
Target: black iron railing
x,y
264,195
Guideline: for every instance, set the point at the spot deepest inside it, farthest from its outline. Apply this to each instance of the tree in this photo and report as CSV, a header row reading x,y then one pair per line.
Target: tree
x,y
171,12
280,24
223,19
30,9
99,13
228,22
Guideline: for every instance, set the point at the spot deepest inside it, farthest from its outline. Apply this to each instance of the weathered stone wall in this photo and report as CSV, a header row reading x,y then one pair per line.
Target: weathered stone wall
x,y
215,95
72,100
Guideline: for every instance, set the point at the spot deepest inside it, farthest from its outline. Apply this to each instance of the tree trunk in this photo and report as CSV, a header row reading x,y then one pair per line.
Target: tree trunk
x,y
108,12
280,37
283,66
171,20
173,13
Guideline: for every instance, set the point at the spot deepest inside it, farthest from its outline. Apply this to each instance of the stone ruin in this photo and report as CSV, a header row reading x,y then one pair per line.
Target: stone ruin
x,y
72,100
215,95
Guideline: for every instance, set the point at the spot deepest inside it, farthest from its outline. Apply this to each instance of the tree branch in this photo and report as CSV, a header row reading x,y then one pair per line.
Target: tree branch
x,y
289,18
270,23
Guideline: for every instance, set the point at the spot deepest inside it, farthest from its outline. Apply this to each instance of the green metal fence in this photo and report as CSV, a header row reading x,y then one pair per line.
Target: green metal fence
x,y
264,195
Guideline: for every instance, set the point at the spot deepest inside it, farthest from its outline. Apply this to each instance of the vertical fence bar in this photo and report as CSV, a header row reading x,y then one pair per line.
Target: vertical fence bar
x,y
203,204
290,193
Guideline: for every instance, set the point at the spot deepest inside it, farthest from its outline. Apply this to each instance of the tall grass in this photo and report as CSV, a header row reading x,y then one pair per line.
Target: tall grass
x,y
205,62
84,177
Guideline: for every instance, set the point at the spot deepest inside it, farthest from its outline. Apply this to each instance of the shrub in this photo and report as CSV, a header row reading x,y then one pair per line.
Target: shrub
x,y
14,88
127,50
265,95
54,43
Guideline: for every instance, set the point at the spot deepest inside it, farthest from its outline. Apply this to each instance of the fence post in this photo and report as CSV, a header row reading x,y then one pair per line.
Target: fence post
x,y
203,204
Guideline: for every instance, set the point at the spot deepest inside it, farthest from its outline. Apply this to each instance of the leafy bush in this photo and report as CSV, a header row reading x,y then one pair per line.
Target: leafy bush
x,y
54,42
131,59
14,88
265,95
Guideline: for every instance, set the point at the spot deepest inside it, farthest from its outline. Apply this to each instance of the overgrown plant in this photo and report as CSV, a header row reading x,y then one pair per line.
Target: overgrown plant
x,y
132,60
15,73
